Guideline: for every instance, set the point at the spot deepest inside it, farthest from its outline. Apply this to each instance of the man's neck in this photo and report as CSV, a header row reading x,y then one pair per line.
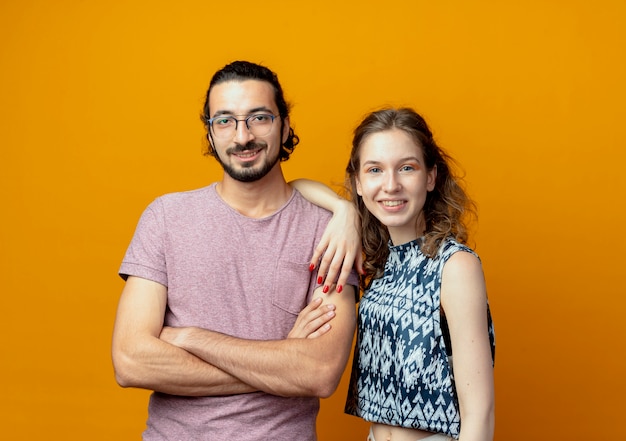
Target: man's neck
x,y
256,199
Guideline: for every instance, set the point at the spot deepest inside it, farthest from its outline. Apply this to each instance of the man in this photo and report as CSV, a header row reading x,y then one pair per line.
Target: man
x,y
213,317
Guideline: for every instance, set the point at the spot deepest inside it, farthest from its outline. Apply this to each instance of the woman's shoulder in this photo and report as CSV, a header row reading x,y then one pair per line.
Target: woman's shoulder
x,y
451,246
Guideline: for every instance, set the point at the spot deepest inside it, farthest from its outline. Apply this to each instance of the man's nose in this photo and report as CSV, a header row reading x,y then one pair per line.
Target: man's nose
x,y
242,133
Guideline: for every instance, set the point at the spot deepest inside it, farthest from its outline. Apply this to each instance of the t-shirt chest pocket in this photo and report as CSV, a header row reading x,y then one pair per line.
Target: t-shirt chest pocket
x,y
291,286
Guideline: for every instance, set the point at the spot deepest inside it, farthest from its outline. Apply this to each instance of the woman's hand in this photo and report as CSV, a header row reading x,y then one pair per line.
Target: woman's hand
x,y
340,247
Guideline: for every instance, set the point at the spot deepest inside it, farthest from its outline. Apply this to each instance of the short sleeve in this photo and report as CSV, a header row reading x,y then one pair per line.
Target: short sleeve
x,y
145,256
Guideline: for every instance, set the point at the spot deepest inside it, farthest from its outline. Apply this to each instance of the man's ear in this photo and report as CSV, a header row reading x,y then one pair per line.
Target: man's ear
x,y
211,148
286,128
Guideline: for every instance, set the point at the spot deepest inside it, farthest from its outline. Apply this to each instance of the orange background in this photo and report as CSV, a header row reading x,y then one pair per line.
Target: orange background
x,y
99,115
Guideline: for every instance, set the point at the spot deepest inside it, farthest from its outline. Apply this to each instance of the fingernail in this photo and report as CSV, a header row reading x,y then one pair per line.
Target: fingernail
x,y
325,290
339,288
311,267
319,280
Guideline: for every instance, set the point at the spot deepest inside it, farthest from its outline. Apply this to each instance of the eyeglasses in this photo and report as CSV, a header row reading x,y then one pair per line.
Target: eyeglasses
x,y
225,126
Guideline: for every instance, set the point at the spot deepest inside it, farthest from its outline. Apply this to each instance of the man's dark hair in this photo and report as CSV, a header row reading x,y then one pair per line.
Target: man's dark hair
x,y
241,71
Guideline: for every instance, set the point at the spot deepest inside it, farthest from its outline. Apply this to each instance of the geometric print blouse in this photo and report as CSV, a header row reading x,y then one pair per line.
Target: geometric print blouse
x,y
402,372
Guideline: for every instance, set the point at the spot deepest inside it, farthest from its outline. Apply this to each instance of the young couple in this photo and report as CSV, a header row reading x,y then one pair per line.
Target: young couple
x,y
239,304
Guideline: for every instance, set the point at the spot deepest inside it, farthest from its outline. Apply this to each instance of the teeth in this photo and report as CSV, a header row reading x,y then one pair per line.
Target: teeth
x,y
392,203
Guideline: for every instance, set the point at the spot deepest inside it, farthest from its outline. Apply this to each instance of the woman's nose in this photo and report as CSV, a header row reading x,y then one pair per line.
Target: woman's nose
x,y
392,184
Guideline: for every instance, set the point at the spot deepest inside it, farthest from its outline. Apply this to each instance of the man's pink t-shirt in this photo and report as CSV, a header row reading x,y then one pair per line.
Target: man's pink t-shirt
x,y
244,277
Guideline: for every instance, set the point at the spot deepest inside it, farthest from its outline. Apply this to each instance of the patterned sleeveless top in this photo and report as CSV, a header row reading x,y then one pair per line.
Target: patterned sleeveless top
x,y
402,373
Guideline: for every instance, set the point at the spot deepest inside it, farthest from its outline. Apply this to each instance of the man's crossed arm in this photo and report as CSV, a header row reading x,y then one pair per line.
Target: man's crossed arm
x,y
200,362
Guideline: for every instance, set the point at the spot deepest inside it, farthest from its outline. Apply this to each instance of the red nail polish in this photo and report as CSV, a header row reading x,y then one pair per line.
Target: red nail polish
x,y
311,267
319,280
339,288
325,290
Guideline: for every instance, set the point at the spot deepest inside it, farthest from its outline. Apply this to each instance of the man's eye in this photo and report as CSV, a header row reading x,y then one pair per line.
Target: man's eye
x,y
260,118
223,121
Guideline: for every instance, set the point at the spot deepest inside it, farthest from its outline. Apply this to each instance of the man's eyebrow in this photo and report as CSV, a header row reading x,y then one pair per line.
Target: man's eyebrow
x,y
260,109
250,112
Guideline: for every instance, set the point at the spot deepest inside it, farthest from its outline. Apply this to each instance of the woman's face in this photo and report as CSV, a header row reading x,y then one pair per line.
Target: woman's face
x,y
393,181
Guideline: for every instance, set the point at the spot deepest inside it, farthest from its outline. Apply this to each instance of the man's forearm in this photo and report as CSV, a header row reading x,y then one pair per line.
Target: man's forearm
x,y
162,367
291,367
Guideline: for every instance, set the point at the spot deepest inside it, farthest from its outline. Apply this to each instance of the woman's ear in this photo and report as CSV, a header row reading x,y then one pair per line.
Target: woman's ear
x,y
431,179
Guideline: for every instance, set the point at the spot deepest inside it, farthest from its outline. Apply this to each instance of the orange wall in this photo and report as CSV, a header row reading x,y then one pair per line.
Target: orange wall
x,y
99,115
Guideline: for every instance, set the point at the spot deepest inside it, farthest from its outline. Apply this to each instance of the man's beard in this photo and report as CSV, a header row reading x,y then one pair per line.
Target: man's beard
x,y
248,173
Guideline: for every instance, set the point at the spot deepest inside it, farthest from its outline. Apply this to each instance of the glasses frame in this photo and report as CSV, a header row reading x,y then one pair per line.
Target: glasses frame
x,y
246,120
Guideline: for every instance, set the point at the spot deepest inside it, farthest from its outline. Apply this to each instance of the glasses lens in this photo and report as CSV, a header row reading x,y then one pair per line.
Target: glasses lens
x,y
260,124
224,126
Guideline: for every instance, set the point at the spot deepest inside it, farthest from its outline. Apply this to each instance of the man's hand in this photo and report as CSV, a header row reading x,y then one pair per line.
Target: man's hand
x,y
313,320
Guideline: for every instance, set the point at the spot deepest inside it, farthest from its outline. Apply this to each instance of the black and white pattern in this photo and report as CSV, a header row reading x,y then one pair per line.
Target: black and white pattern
x,y
402,374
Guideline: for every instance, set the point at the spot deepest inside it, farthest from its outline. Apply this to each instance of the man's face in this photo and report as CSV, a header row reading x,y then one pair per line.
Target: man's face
x,y
246,157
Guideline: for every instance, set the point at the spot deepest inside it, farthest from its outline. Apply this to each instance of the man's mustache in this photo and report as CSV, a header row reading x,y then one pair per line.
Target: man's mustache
x,y
252,145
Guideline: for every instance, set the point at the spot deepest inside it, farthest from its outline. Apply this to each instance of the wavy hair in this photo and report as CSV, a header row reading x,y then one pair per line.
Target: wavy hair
x,y
447,207
242,71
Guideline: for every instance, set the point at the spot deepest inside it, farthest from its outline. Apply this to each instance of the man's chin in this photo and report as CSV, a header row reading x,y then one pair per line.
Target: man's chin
x,y
247,174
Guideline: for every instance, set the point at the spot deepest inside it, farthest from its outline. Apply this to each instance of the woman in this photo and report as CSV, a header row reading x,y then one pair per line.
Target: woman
x,y
424,291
